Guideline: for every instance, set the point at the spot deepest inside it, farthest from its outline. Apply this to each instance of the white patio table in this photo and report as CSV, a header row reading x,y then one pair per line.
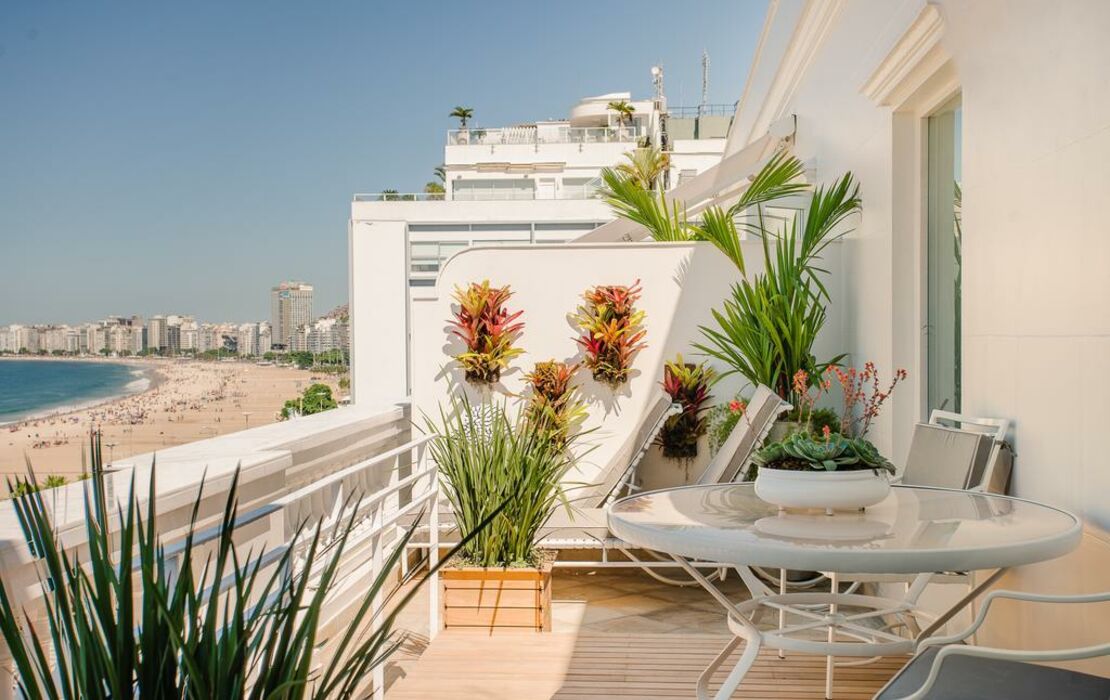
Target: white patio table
x,y
916,530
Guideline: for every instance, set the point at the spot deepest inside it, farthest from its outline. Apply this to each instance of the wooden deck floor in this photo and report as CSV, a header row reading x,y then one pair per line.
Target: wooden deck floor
x,y
468,665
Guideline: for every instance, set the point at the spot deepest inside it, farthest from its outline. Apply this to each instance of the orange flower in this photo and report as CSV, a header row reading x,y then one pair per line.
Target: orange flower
x,y
737,406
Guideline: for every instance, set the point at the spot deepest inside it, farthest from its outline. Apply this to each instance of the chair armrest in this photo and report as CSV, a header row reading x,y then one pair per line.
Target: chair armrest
x,y
1006,655
989,599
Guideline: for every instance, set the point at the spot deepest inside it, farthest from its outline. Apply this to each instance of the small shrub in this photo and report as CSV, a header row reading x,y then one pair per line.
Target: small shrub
x,y
488,329
612,331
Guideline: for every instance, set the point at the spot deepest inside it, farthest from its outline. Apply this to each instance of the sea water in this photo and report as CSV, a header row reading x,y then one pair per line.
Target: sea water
x,y
36,387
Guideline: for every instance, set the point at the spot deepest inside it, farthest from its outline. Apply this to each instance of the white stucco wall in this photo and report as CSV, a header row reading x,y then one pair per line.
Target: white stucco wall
x,y
681,284
1036,292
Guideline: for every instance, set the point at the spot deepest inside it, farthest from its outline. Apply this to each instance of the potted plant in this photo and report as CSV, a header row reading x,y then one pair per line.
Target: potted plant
x,y
612,331
830,471
688,385
488,329
489,461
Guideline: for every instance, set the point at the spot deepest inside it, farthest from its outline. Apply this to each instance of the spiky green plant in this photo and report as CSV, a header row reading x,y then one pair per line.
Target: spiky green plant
x,y
123,621
487,458
688,385
554,407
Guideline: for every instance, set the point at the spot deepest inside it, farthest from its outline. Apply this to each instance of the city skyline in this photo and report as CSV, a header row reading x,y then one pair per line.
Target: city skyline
x,y
187,156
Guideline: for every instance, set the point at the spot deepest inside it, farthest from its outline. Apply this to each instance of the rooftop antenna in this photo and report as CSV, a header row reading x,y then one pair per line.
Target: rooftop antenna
x,y
704,82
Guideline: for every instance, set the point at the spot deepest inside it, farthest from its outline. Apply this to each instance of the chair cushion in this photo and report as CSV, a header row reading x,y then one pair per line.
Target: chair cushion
x,y
975,678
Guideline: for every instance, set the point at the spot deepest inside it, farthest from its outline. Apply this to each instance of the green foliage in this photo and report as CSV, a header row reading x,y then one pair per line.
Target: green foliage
x,y
807,452
463,114
125,621
612,331
317,398
629,200
486,459
688,385
766,330
623,109
819,419
644,166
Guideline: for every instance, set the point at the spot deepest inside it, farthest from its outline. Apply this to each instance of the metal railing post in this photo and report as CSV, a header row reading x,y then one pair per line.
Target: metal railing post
x,y
378,674
433,544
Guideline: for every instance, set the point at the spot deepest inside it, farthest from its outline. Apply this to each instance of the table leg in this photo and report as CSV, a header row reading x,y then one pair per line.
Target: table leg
x,y
748,633
830,661
782,612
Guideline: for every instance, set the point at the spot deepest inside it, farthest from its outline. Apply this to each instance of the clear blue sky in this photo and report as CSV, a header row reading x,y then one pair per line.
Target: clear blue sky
x,y
183,157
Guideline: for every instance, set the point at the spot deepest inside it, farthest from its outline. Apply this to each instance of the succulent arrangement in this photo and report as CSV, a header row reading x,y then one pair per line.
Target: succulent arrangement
x,y
612,331
553,408
804,451
833,446
688,385
488,329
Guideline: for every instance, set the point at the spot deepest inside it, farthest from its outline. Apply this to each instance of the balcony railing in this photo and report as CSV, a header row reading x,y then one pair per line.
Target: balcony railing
x,y
714,110
400,197
529,135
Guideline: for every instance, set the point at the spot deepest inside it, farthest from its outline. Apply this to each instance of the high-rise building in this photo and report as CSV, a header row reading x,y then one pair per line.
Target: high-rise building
x,y
290,308
156,333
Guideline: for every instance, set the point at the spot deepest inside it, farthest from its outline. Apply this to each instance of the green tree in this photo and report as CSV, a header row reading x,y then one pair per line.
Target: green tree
x,y
644,166
463,114
317,398
623,109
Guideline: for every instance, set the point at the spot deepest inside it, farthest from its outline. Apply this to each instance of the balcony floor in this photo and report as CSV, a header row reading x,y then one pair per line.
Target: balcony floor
x,y
616,634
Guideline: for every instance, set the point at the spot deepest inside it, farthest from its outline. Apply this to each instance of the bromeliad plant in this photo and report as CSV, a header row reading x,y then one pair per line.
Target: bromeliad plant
x,y
488,329
612,331
124,620
487,458
553,408
688,385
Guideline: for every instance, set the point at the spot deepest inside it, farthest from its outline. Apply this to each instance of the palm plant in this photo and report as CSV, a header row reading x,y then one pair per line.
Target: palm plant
x,y
623,109
644,166
487,458
463,114
766,330
123,621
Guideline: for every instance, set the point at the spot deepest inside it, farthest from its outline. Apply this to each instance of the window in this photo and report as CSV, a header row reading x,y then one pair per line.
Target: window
x,y
944,236
485,190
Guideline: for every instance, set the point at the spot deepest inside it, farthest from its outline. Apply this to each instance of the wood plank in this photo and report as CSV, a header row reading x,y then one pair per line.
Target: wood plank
x,y
524,665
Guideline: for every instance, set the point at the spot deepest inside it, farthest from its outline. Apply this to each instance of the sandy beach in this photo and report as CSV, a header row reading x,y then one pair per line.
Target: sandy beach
x,y
186,401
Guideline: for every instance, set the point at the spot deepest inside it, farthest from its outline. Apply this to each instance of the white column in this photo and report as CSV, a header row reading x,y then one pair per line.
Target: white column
x,y
379,303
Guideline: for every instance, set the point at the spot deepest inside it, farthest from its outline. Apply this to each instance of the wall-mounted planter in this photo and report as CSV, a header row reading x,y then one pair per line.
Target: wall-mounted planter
x,y
493,598
488,329
612,331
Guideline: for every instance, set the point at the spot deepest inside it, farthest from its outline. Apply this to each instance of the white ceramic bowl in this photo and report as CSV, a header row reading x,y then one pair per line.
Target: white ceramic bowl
x,y
846,490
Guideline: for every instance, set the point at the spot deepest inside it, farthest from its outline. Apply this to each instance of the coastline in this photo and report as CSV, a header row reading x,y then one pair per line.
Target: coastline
x,y
150,377
185,401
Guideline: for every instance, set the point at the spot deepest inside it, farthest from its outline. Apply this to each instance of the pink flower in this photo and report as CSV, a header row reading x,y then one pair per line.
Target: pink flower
x,y
737,406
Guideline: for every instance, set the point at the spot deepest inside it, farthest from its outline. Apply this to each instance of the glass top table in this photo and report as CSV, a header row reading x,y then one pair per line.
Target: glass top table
x,y
915,531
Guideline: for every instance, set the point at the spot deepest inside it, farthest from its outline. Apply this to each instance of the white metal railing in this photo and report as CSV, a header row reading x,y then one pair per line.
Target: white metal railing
x,y
708,110
400,197
528,135
331,502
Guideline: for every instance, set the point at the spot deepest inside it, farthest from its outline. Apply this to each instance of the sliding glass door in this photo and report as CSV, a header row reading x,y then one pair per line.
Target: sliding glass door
x,y
945,230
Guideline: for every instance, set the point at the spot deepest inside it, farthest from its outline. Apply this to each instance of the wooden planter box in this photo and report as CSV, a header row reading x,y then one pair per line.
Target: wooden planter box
x,y
483,598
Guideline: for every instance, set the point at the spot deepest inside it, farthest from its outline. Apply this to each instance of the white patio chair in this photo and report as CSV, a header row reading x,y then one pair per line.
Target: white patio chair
x,y
945,669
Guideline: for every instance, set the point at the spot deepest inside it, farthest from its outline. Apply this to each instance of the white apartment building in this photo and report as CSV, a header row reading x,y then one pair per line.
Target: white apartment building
x,y
247,339
532,183
322,335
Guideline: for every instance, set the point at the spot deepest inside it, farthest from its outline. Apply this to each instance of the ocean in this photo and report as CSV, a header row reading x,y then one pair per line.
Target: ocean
x,y
34,387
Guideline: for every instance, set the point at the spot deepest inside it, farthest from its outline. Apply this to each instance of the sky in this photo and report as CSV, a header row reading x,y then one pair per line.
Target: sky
x,y
185,157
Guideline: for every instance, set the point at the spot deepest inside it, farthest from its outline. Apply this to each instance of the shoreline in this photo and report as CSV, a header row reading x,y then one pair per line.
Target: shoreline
x,y
185,401
150,375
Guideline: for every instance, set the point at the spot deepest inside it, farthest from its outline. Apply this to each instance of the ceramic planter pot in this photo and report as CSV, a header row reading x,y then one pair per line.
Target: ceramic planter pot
x,y
828,491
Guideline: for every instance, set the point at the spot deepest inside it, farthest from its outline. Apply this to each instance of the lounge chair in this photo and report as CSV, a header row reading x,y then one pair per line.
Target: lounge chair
x,y
584,526
946,669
